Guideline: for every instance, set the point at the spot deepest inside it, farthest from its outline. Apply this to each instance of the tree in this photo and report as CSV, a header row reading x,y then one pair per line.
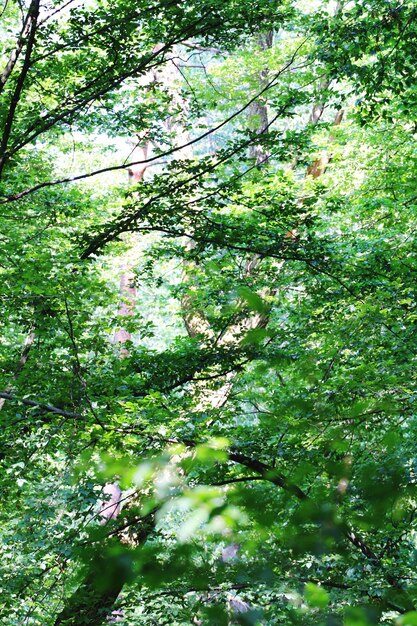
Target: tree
x,y
260,422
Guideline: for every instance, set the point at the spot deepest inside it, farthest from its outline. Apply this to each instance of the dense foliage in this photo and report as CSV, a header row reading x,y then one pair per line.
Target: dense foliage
x,y
230,338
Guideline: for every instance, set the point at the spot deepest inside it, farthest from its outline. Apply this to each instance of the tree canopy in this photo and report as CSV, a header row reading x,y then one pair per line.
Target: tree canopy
x,y
208,312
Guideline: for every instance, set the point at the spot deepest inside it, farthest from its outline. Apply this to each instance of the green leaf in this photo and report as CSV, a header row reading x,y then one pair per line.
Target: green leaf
x,y
409,619
254,302
316,596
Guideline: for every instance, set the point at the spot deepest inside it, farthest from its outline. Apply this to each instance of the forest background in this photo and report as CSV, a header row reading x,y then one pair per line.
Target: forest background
x,y
208,311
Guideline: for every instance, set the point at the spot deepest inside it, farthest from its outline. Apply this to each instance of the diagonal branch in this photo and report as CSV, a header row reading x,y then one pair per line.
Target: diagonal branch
x,y
32,17
16,52
86,96
24,355
149,160
269,474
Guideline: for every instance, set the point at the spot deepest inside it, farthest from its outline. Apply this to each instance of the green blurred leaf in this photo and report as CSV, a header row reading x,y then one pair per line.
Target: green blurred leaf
x,y
316,596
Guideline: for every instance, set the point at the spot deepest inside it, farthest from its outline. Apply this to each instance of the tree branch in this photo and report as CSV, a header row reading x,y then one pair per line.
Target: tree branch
x,y
16,52
32,18
169,152
48,408
24,355
195,46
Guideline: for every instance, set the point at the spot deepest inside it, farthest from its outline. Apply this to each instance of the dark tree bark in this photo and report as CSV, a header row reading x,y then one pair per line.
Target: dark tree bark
x,y
92,604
